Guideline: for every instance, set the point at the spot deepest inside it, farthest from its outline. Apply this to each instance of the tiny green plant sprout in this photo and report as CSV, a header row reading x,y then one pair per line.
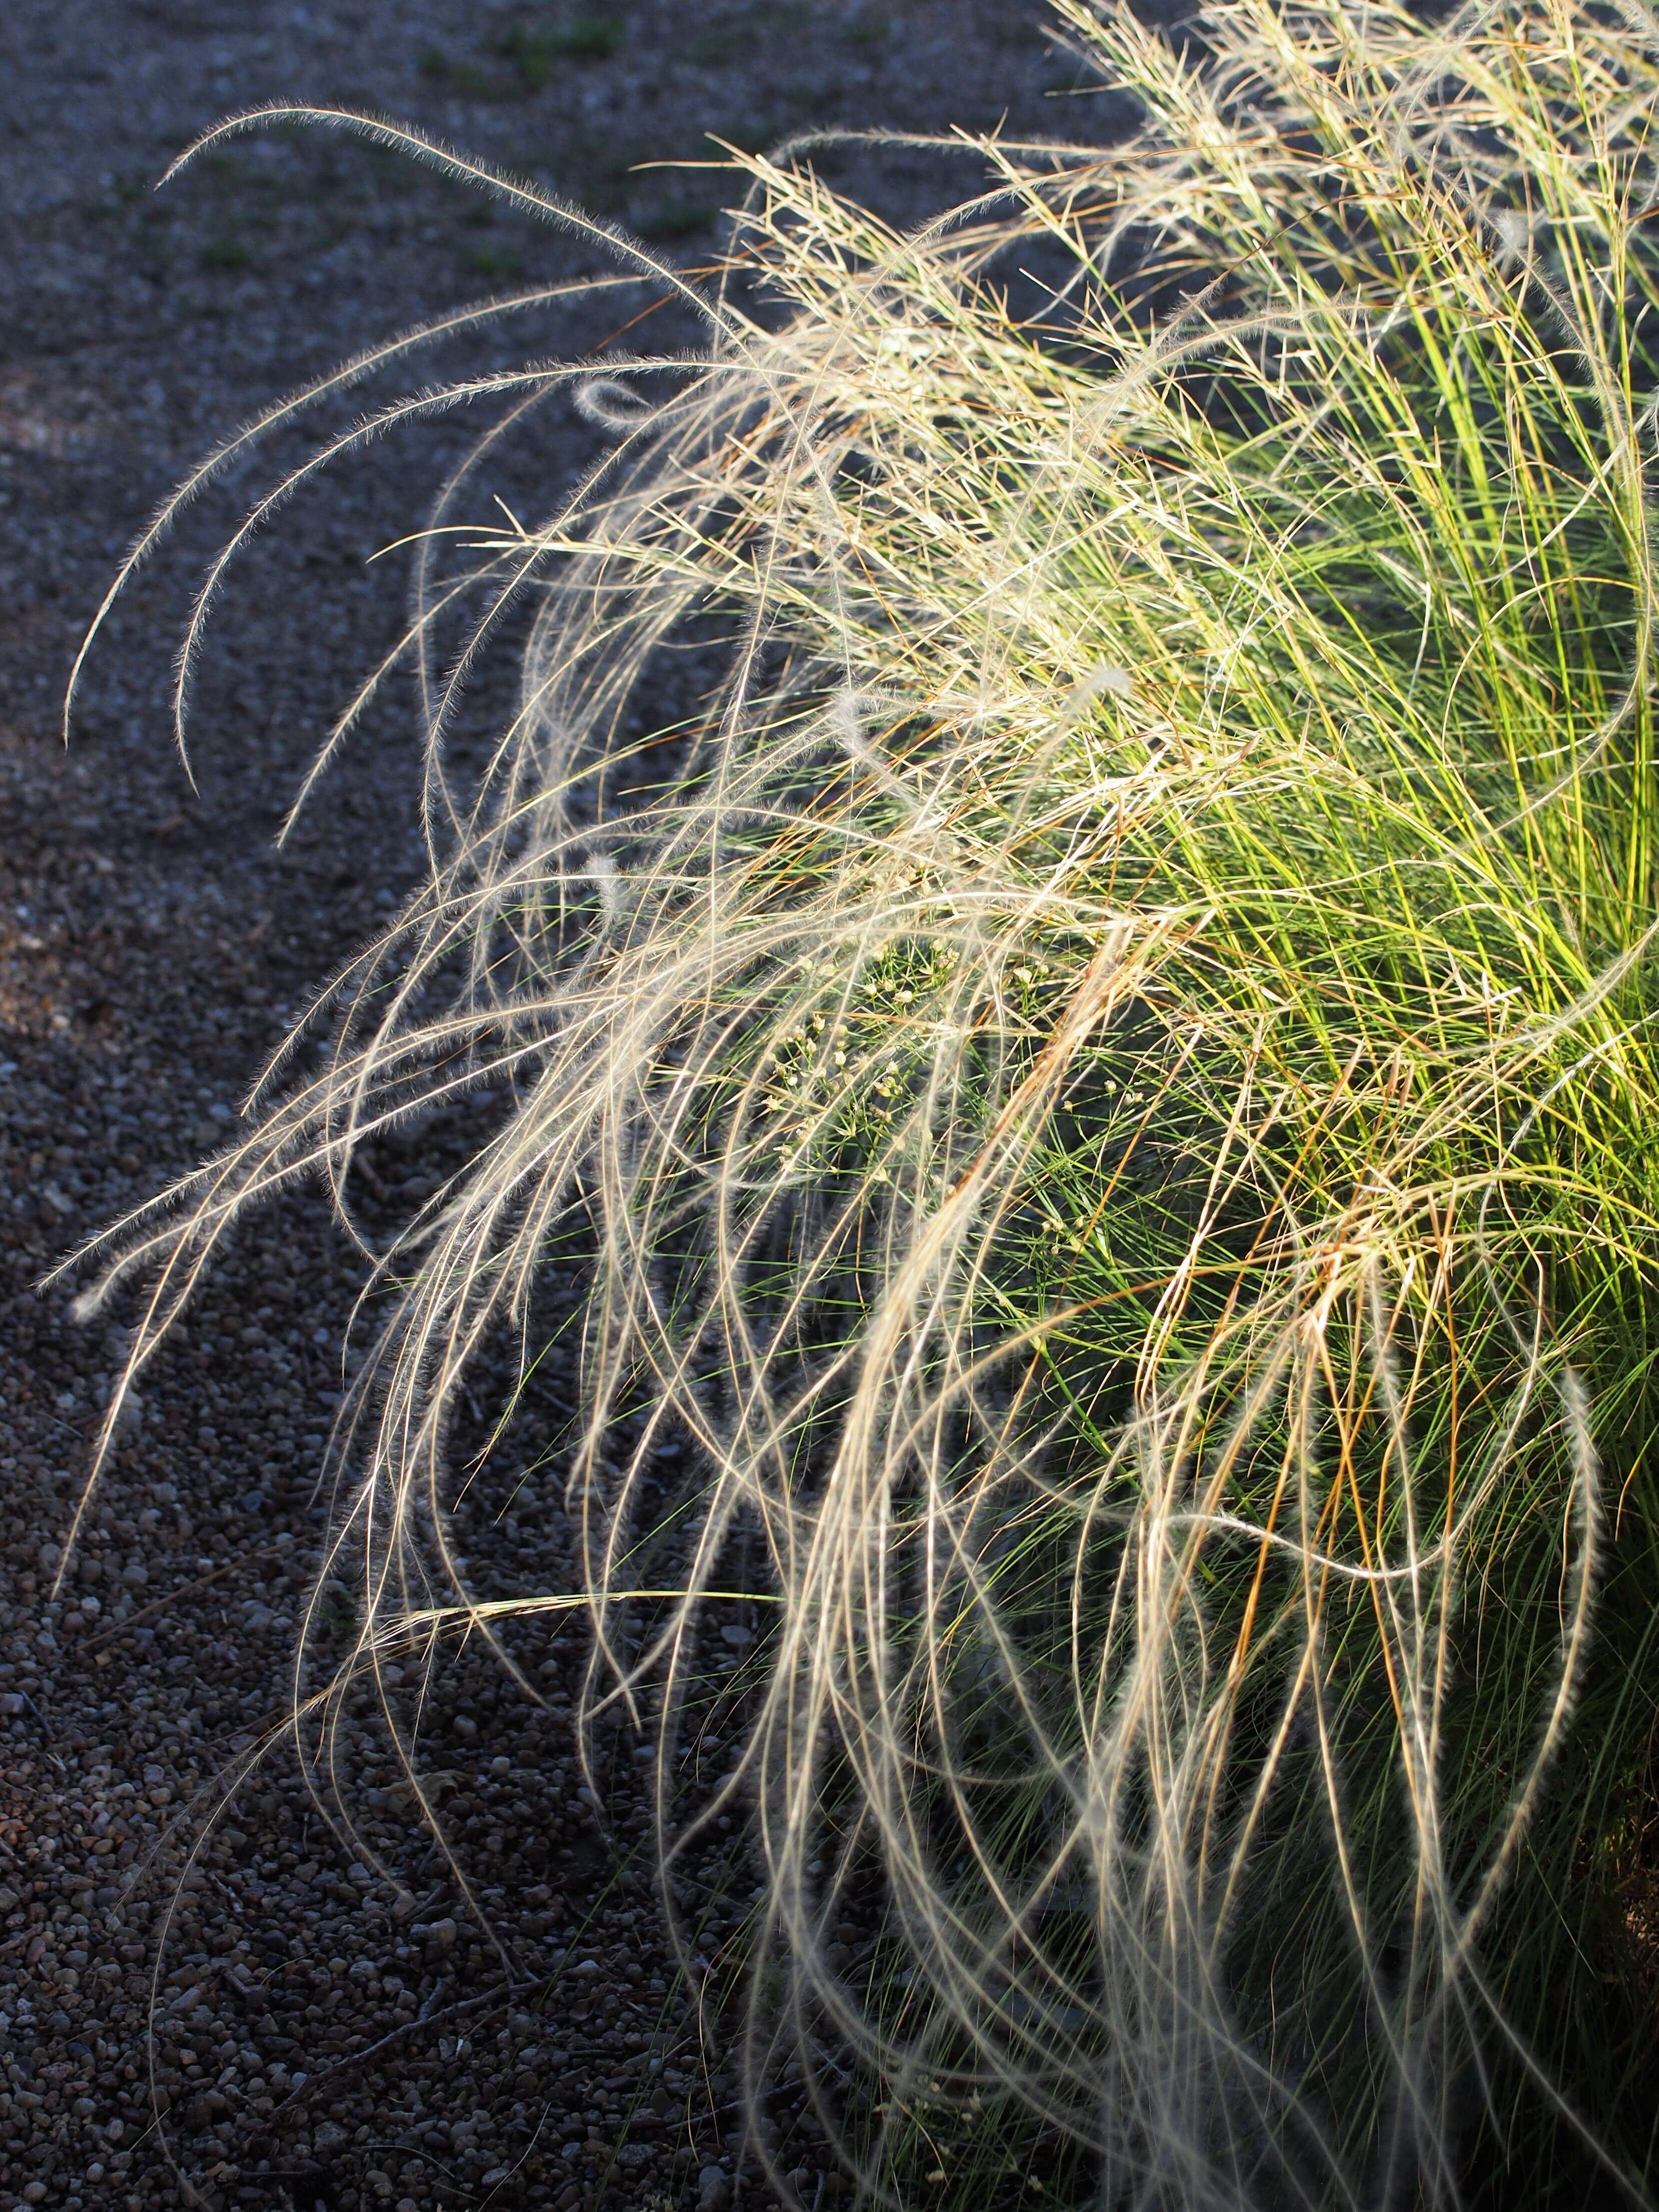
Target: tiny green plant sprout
x,y
1107,1091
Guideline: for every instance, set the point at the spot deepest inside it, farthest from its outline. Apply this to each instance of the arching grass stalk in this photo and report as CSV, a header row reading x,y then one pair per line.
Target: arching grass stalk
x,y
1113,1092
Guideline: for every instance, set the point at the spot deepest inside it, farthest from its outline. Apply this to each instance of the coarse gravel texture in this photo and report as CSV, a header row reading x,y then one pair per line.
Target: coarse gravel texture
x,y
330,2026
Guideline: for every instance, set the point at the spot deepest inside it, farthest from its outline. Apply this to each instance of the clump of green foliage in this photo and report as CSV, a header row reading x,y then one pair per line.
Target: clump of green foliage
x,y
1112,1097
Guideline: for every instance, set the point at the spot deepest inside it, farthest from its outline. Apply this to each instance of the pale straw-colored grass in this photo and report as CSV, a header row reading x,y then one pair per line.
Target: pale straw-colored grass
x,y
1111,1088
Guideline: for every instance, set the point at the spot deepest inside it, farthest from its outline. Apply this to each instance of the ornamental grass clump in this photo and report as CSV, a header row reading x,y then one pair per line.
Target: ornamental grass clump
x,y
1104,1078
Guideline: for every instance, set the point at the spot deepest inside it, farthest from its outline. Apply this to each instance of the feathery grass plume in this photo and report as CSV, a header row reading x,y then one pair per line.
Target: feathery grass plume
x,y
1106,1076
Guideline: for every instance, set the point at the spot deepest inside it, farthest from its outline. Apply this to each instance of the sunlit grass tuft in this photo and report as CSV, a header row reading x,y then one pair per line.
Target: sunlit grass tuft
x,y
1107,1079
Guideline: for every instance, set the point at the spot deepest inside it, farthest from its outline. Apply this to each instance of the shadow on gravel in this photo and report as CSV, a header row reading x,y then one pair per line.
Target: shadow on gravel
x,y
246,2014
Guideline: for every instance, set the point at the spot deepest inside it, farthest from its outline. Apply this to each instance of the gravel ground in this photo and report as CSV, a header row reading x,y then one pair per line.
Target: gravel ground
x,y
332,2025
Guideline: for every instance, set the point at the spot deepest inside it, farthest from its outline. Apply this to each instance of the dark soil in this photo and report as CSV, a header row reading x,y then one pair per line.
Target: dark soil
x,y
206,1995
